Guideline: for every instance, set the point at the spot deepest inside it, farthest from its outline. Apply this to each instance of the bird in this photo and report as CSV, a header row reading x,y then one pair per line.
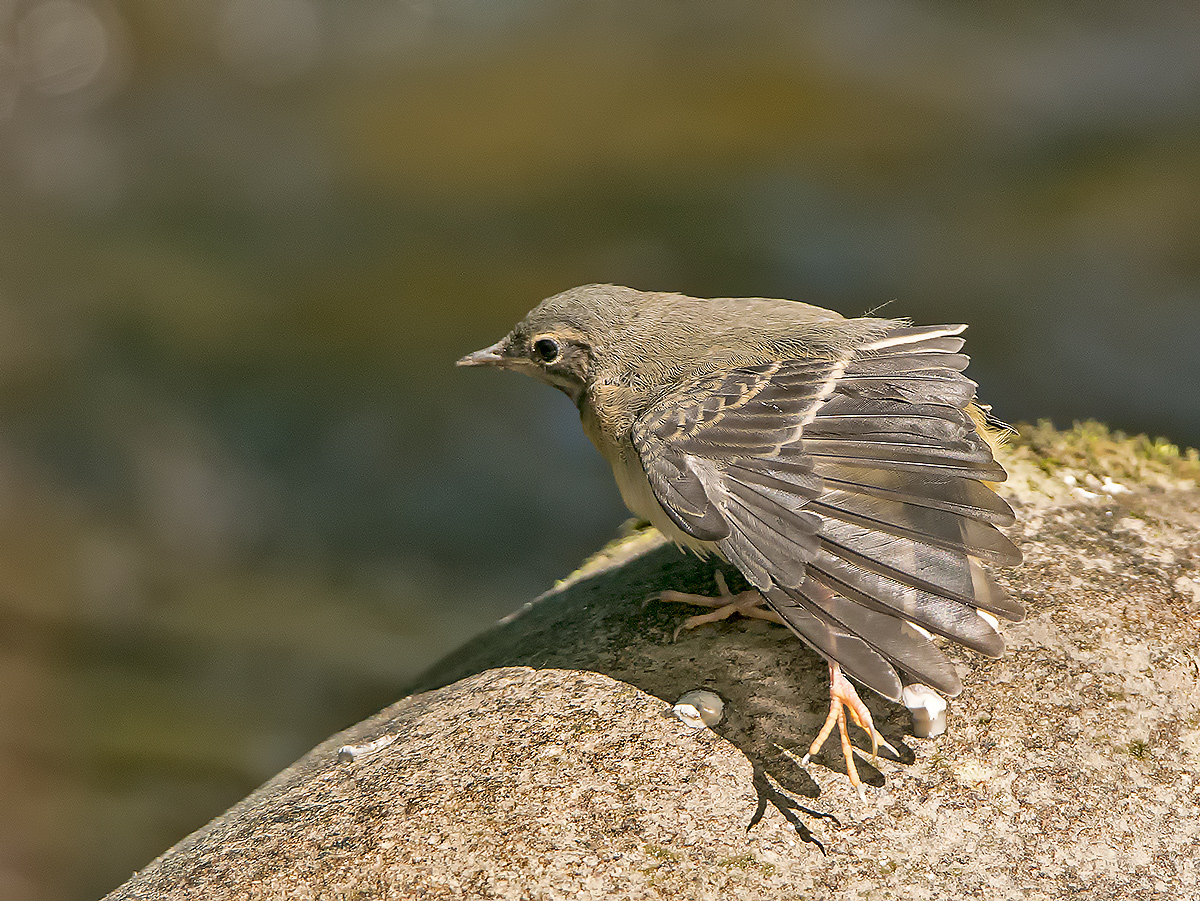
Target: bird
x,y
842,465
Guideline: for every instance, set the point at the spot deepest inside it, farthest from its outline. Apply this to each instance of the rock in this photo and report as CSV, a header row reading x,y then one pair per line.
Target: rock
x,y
543,759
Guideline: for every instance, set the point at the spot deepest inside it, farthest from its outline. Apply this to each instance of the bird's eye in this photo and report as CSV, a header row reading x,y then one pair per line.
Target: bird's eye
x,y
546,350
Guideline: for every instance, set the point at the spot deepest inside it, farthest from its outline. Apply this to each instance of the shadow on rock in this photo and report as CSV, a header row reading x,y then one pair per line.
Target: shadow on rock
x,y
775,689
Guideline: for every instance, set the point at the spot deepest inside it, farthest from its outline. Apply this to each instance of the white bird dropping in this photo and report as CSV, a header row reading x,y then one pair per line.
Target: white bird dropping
x,y
928,709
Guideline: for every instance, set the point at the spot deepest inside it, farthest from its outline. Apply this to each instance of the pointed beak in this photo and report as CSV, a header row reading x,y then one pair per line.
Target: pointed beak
x,y
489,356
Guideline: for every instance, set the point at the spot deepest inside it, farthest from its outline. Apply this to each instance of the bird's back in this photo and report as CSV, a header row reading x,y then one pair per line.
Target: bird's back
x,y
665,336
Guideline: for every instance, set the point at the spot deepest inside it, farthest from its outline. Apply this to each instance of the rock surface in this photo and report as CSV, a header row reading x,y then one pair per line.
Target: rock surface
x,y
542,760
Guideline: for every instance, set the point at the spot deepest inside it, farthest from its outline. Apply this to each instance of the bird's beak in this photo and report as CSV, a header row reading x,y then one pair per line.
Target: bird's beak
x,y
489,356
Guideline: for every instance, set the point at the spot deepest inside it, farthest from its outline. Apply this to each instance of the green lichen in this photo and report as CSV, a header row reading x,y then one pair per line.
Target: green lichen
x,y
661,854
634,536
1093,448
745,862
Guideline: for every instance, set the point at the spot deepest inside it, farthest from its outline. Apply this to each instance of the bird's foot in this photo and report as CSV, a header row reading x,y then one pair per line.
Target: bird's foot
x,y
842,699
749,604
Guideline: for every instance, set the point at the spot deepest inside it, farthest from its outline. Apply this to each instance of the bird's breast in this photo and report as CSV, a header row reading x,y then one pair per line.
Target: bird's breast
x,y
606,422
639,498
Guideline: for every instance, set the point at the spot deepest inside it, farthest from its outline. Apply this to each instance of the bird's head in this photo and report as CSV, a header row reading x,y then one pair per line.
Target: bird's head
x,y
560,341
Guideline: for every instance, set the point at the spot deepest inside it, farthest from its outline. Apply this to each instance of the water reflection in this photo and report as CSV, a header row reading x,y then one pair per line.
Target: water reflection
x,y
244,494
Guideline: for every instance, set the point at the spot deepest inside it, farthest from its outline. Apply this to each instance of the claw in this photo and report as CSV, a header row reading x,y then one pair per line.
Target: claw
x,y
750,604
842,699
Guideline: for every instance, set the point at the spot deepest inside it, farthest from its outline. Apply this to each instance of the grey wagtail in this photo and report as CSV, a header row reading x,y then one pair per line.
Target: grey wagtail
x,y
840,464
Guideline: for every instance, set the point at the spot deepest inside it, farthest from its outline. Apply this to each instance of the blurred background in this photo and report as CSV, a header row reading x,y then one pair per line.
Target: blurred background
x,y
244,494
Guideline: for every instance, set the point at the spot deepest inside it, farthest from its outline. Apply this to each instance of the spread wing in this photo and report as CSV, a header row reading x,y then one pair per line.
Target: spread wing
x,y
851,493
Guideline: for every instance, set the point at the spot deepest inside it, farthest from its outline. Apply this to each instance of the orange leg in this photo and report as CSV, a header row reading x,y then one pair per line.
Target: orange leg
x,y
748,603
843,698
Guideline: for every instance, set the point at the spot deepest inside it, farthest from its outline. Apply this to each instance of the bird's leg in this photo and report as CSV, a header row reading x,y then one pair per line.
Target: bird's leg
x,y
843,698
749,603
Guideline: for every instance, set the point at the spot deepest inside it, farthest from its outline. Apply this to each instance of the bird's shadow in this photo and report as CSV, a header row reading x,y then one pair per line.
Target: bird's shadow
x,y
775,689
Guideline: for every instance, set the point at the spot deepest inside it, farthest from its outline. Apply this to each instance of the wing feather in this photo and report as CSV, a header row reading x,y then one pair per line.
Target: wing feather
x,y
888,634
938,614
920,523
835,642
850,492
965,497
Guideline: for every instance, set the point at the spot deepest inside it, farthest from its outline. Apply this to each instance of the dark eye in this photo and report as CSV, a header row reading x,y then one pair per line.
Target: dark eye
x,y
546,350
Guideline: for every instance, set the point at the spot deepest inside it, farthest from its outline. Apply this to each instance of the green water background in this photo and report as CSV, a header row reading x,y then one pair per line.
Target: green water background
x,y
245,495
